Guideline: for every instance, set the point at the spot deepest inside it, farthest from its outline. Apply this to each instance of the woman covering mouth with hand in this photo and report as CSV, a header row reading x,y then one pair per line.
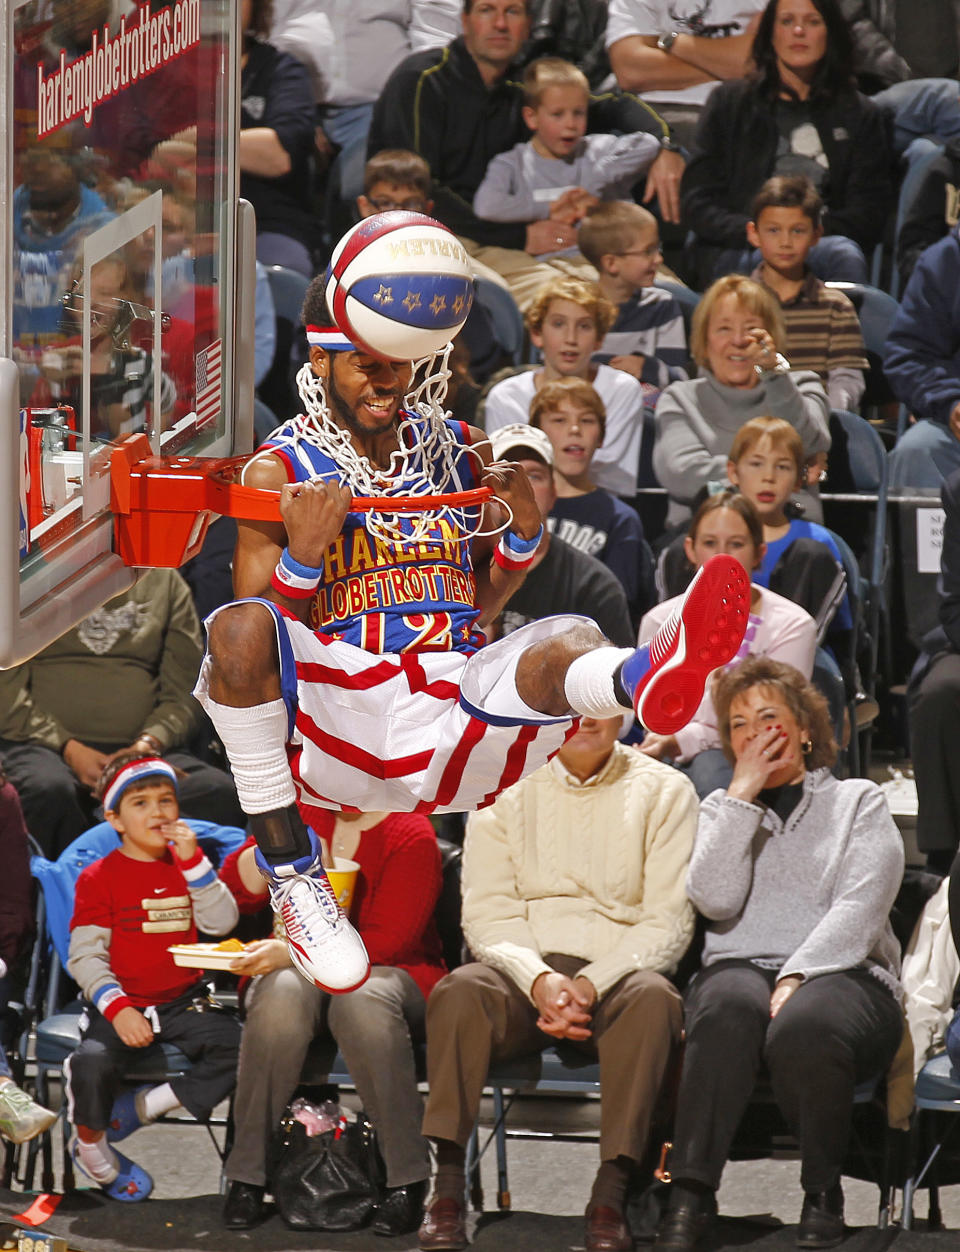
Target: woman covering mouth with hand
x,y
795,872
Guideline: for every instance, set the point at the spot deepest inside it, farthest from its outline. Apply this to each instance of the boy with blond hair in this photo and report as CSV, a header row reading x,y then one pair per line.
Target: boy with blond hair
x,y
567,321
561,171
823,331
648,340
801,559
572,416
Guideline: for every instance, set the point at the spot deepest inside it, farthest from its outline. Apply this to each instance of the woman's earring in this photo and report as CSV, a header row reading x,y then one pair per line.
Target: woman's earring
x,y
806,746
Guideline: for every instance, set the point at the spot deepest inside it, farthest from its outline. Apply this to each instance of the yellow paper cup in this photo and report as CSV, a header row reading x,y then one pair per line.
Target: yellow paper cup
x,y
343,879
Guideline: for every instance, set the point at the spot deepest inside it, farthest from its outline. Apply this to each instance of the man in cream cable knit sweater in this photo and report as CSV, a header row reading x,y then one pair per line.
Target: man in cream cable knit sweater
x,y
574,906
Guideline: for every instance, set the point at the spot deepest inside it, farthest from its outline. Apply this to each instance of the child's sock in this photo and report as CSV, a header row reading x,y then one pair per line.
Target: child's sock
x,y
155,1102
98,1158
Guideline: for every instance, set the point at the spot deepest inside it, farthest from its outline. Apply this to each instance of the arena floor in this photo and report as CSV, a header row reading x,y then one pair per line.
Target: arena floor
x,y
549,1183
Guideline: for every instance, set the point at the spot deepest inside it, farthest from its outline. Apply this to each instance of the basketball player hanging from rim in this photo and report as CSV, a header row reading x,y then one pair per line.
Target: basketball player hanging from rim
x,y
351,676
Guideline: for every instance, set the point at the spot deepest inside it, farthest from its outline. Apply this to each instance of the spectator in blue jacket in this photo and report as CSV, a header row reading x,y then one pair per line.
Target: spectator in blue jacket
x,y
922,364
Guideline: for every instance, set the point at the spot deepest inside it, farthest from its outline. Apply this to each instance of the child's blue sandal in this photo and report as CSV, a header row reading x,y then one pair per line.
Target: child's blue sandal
x,y
124,1118
131,1185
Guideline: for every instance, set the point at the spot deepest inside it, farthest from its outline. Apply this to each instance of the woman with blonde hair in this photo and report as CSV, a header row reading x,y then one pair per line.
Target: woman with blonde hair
x,y
737,341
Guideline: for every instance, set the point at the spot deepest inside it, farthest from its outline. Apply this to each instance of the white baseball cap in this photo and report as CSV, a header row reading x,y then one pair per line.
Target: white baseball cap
x,y
520,435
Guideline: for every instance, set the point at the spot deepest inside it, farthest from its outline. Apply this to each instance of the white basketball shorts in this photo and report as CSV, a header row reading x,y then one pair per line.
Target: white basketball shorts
x,y
414,732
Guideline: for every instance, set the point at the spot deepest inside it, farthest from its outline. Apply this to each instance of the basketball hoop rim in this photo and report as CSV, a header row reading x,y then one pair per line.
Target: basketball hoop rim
x,y
263,504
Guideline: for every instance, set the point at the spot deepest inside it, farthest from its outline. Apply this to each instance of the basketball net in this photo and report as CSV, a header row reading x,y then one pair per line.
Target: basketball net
x,y
425,463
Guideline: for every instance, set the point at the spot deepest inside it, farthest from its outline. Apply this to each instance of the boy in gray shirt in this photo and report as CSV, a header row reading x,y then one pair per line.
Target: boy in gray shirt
x,y
562,171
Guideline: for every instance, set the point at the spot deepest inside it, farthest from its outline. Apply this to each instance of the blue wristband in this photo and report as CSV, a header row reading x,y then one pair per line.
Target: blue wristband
x,y
296,569
520,547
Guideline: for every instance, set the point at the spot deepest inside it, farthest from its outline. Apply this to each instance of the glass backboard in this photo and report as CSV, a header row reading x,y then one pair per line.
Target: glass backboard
x,y
122,300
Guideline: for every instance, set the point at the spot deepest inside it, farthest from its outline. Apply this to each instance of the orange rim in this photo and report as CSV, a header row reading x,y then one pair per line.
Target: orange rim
x,y
258,504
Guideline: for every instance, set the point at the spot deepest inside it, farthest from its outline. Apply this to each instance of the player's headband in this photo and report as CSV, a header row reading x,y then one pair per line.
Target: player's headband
x,y
136,771
329,338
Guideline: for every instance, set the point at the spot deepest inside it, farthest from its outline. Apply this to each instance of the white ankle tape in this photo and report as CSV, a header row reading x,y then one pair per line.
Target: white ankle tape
x,y
255,740
98,1159
588,684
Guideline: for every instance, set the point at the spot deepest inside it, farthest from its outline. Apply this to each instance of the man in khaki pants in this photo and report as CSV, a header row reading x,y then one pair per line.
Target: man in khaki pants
x,y
575,909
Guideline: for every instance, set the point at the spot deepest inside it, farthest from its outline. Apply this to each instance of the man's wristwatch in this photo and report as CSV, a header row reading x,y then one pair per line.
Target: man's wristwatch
x,y
670,145
152,742
666,42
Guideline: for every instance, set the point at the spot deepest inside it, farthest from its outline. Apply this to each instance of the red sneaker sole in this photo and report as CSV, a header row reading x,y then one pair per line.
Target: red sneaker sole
x,y
714,621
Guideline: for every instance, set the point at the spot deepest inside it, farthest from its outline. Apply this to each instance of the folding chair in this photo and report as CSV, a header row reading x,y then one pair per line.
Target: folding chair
x,y
829,682
51,993
264,421
504,314
876,310
861,645
858,480
552,1071
564,1071
277,390
923,152
936,1092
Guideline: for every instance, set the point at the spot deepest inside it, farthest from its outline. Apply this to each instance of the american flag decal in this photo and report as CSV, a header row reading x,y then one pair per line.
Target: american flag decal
x,y
208,383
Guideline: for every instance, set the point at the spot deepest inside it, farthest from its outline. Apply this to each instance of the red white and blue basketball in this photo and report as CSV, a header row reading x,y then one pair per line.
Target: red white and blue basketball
x,y
400,285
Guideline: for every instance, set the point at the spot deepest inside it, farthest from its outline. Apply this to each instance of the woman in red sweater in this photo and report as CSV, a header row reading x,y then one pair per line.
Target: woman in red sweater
x,y
374,1027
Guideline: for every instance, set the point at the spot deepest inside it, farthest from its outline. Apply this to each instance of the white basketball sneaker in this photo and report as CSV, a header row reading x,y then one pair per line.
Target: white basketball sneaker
x,y
323,945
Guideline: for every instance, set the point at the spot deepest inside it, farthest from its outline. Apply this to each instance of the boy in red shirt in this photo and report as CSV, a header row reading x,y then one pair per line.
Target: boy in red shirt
x,y
153,891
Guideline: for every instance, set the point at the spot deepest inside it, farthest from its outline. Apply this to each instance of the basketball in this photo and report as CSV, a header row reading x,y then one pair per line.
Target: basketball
x,y
399,285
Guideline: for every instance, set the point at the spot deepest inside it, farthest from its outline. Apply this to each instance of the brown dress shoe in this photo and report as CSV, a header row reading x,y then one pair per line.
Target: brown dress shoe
x,y
607,1230
444,1226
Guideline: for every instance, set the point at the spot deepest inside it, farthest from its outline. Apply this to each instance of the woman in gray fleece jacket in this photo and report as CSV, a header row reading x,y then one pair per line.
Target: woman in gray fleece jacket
x,y
795,872
736,340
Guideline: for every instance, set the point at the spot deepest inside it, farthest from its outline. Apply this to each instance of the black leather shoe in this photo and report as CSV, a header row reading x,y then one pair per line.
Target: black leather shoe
x,y
821,1219
686,1221
243,1206
401,1209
